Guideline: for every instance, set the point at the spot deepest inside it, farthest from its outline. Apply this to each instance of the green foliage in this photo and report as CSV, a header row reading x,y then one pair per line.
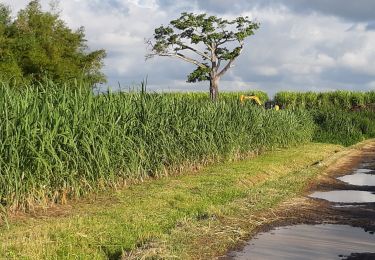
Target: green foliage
x,y
190,32
341,117
336,127
225,96
339,126
68,141
337,99
263,96
199,74
5,18
38,45
8,63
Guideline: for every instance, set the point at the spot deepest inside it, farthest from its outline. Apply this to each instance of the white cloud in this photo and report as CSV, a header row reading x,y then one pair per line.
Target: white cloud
x,y
354,60
267,71
371,85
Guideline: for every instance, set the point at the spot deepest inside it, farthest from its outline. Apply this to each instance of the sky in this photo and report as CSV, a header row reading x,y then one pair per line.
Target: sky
x,y
303,45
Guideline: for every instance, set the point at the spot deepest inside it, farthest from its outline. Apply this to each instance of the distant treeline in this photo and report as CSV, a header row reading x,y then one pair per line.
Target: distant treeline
x,y
37,45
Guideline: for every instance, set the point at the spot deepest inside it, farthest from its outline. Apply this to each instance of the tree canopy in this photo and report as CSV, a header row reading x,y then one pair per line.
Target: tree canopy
x,y
206,42
38,44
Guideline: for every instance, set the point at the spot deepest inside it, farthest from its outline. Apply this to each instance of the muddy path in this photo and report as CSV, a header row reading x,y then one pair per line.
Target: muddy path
x,y
334,220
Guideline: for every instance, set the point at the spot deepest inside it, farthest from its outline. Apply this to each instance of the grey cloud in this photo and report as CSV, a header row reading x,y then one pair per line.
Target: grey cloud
x,y
359,10
216,6
370,26
346,77
105,6
256,77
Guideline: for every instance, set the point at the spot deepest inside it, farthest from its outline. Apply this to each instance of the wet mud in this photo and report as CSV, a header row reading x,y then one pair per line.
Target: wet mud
x,y
335,220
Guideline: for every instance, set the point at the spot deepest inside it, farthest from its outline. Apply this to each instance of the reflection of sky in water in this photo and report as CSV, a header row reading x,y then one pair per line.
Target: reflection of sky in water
x,y
308,242
361,179
345,196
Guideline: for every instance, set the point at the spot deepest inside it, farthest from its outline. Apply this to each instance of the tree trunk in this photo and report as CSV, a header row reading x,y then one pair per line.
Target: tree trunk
x,y
214,88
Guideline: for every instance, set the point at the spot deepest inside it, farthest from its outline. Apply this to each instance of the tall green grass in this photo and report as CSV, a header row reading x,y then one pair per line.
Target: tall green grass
x,y
263,96
341,117
337,99
63,141
343,127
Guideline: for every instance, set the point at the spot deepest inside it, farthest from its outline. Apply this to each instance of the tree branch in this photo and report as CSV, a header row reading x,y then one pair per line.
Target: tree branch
x,y
183,57
230,63
227,40
226,68
200,34
196,51
178,55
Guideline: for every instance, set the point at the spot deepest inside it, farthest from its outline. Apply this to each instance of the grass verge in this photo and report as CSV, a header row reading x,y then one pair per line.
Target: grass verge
x,y
197,215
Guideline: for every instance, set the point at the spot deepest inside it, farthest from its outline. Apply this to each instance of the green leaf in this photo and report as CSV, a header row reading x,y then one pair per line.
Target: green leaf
x,y
199,74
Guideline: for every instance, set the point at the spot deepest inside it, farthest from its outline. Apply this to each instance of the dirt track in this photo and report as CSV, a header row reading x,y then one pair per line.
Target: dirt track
x,y
305,210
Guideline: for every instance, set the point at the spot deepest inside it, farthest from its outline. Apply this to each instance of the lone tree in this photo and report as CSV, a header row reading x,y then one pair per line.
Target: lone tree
x,y
205,41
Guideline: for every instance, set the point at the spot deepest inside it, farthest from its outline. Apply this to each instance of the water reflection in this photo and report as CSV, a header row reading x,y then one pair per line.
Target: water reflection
x,y
360,179
308,242
345,196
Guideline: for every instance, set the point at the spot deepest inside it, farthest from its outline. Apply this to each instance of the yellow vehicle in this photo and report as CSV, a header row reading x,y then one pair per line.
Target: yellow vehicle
x,y
268,104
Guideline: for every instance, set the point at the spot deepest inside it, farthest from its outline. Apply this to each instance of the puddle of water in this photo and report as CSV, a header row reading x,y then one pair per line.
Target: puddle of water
x,y
360,179
345,196
360,256
308,242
